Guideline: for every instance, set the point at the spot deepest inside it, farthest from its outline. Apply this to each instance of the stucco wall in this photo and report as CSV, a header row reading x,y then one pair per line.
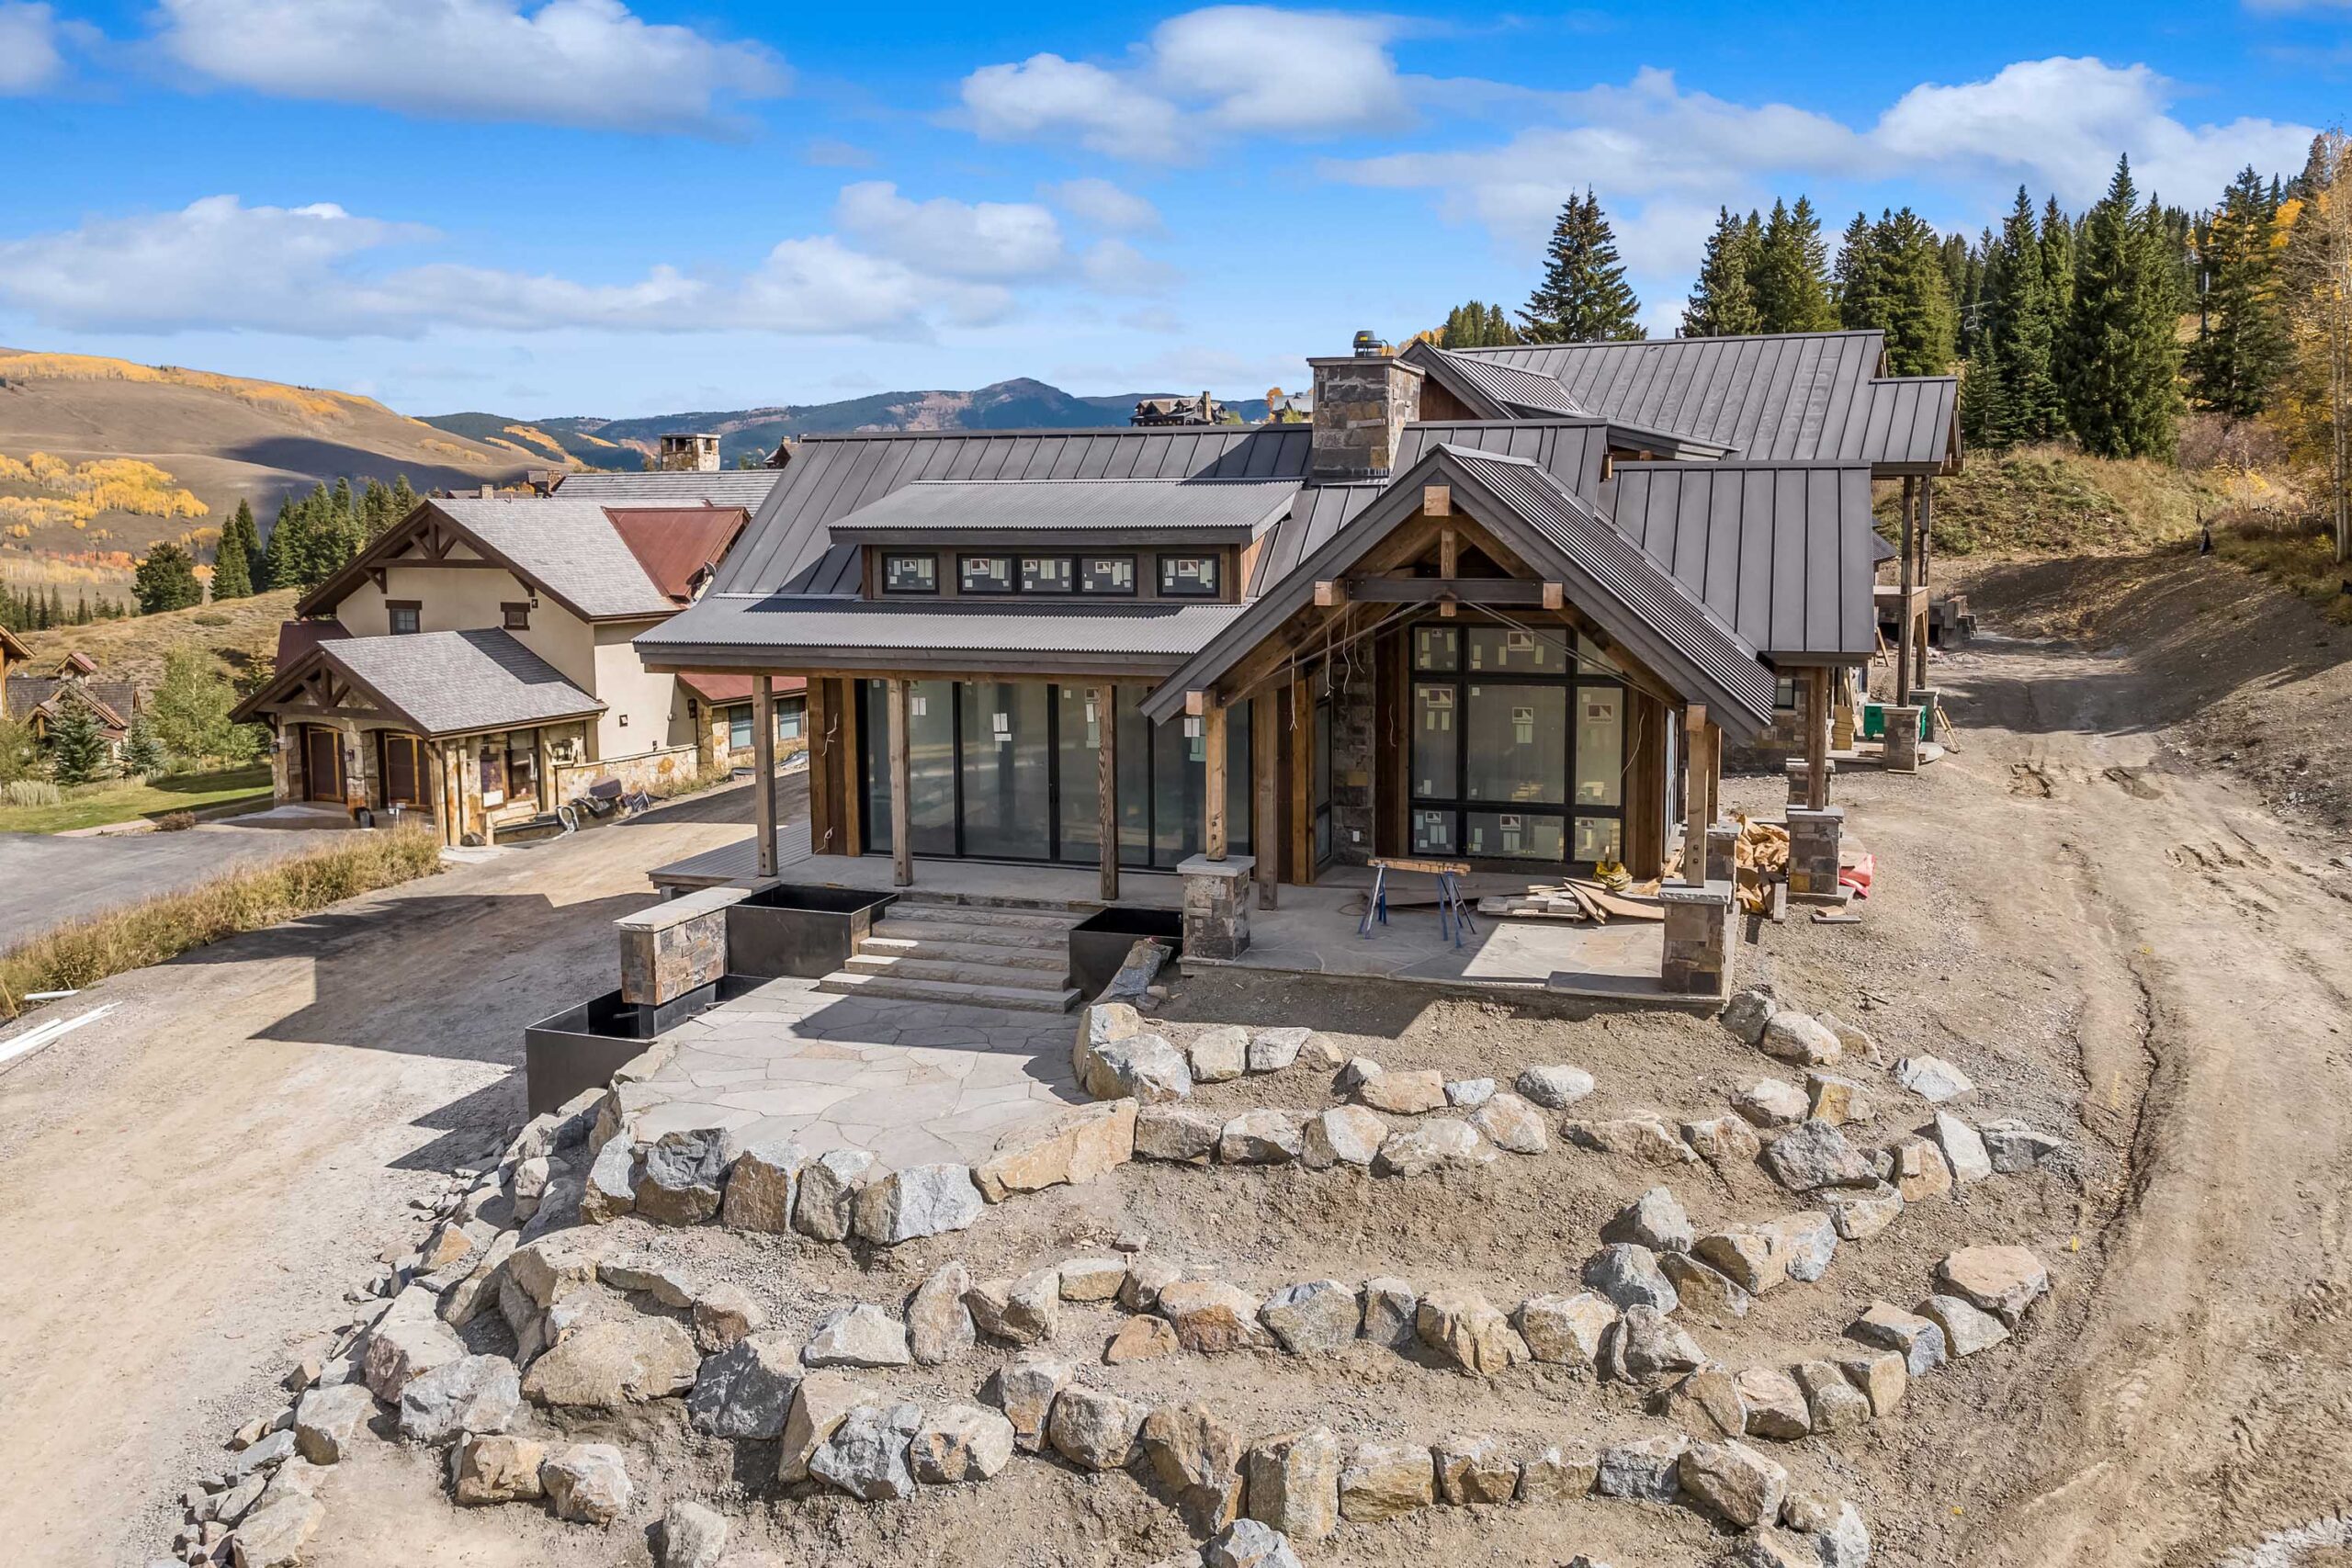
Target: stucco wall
x,y
469,598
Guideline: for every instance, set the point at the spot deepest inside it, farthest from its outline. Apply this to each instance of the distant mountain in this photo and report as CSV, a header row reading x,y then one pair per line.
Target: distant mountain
x,y
623,444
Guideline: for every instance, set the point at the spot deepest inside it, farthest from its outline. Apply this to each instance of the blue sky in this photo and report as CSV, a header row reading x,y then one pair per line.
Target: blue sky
x,y
552,207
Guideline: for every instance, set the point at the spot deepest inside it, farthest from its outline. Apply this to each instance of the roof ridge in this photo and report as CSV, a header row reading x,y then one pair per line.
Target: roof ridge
x,y
1659,342
1131,479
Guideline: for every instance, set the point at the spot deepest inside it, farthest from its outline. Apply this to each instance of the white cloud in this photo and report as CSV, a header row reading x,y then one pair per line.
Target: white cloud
x,y
28,56
1114,267
218,265
990,240
580,63
1105,206
1209,73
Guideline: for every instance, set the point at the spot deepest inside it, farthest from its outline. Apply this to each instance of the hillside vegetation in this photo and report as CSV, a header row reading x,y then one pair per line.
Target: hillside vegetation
x,y
2054,500
239,635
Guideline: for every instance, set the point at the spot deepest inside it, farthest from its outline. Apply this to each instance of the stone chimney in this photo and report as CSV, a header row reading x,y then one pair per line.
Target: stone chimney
x,y
1363,403
689,452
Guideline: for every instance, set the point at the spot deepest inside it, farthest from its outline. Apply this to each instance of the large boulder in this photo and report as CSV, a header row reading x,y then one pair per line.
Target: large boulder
x,y
1933,1080
684,1174
1748,1256
1018,1312
610,1366
1800,1038
1142,1068
1775,1404
1815,1154
609,1191
1405,1093
493,1468
1195,1456
1248,1543
1656,1219
1964,1148
959,1443
1220,1054
1142,1339
1860,1213
746,1390
1806,1242
920,1201
1645,1345
1390,1308
1468,1331
1918,1169
760,1185
1566,1329
327,1419
587,1483
820,1406
474,1393
1556,1086
1702,1289
1629,1275
276,1534
1212,1317
1313,1319
725,1312
1292,1484
1733,1481
1643,1471
407,1342
1561,1473
860,1336
2014,1147
1429,1147
1074,1148
1723,1142
1024,1389
1345,1134
865,1454
1643,1137
1747,1014
1093,1430
1176,1134
692,1536
1832,1401
1919,1340
1511,1123
1271,1049
1473,1469
1385,1481
939,1325
826,1205
2003,1281
1771,1102
1100,1024
1260,1137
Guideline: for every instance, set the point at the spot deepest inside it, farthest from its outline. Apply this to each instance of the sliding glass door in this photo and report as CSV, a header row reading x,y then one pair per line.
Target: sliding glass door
x,y
1009,770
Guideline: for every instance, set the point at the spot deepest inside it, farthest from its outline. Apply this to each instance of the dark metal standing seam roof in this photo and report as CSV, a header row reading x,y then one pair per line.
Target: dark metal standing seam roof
x,y
1784,552
1633,597
1782,397
757,630
1511,388
1912,424
672,486
789,547
1084,505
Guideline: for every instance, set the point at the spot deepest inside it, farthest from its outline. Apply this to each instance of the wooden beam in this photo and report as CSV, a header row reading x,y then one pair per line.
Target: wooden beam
x,y
850,795
1329,594
1501,590
1301,779
1716,777
1437,500
1106,787
1213,746
1449,548
1903,632
1927,526
1694,795
1264,796
1816,737
817,720
763,772
902,849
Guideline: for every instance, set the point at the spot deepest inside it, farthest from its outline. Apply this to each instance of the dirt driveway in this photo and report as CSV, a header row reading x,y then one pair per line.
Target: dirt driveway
x,y
52,879
188,1187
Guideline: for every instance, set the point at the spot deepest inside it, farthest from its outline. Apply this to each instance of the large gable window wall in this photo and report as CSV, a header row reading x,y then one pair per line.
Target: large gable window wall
x,y
1519,746
1008,769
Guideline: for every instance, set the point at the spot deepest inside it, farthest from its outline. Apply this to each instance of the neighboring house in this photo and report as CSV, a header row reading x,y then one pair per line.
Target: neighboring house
x,y
475,662
1488,606
725,716
38,701
12,651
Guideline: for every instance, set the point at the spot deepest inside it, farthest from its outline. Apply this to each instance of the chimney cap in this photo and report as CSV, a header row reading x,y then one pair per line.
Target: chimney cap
x,y
1370,345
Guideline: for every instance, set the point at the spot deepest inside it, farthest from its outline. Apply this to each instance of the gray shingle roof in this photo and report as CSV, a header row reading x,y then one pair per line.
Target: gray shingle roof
x,y
835,633
789,547
1787,553
1120,507
455,682
745,488
569,546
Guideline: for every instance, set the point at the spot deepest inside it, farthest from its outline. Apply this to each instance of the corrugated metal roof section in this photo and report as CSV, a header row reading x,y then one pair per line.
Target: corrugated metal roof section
x,y
1667,607
1774,398
1316,513
450,683
570,546
1100,505
789,545
1532,391
1572,452
1784,552
785,623
1910,423
745,488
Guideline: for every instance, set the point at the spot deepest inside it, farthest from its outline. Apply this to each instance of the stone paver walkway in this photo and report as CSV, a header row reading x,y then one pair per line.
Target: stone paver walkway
x,y
914,1082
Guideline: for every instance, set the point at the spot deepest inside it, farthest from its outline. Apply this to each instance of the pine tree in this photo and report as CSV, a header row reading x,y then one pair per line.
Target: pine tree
x,y
232,557
2022,328
142,753
1792,278
167,580
1987,414
2245,348
281,557
1476,325
54,616
1721,304
2058,258
375,508
1890,276
2121,355
77,748
1856,277
1584,297
404,497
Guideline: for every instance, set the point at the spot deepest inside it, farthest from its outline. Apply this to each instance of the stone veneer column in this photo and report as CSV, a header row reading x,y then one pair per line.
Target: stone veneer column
x,y
1901,739
1814,838
1698,938
1217,906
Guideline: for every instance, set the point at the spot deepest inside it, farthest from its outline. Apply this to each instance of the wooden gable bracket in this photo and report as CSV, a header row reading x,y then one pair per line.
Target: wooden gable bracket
x,y
1556,596
1437,500
1329,594
376,574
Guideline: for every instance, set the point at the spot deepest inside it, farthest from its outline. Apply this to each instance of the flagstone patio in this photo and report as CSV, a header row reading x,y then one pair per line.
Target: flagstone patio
x,y
913,1082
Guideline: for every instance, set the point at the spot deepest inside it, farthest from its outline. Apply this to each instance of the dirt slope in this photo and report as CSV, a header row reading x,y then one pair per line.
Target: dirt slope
x,y
235,632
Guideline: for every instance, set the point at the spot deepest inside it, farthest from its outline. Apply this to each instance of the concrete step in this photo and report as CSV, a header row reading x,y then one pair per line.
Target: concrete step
x,y
992,915
1017,998
915,966
1052,959
1037,939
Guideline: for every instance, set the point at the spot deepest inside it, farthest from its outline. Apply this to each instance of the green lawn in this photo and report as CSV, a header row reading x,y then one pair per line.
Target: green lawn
x,y
92,805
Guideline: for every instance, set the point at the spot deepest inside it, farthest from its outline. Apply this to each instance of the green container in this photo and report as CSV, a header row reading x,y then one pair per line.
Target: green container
x,y
1874,722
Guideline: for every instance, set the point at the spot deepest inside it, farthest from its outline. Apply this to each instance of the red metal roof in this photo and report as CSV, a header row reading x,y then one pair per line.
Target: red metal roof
x,y
677,545
296,638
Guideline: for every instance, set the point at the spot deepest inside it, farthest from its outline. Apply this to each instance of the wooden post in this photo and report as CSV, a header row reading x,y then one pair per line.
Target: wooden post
x,y
849,769
1265,744
1106,787
1302,781
1927,524
764,772
1213,824
1716,777
902,848
1910,581
1816,738
1694,795
815,721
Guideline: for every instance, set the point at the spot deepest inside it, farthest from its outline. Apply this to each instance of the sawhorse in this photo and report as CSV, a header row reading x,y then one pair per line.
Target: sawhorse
x,y
1452,915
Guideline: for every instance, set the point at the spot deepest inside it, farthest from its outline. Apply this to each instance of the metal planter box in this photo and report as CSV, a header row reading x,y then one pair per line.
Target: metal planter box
x,y
804,932
1099,944
582,1047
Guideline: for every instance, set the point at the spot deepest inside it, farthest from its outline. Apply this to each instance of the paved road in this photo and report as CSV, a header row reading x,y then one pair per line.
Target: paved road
x,y
46,880
190,1185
